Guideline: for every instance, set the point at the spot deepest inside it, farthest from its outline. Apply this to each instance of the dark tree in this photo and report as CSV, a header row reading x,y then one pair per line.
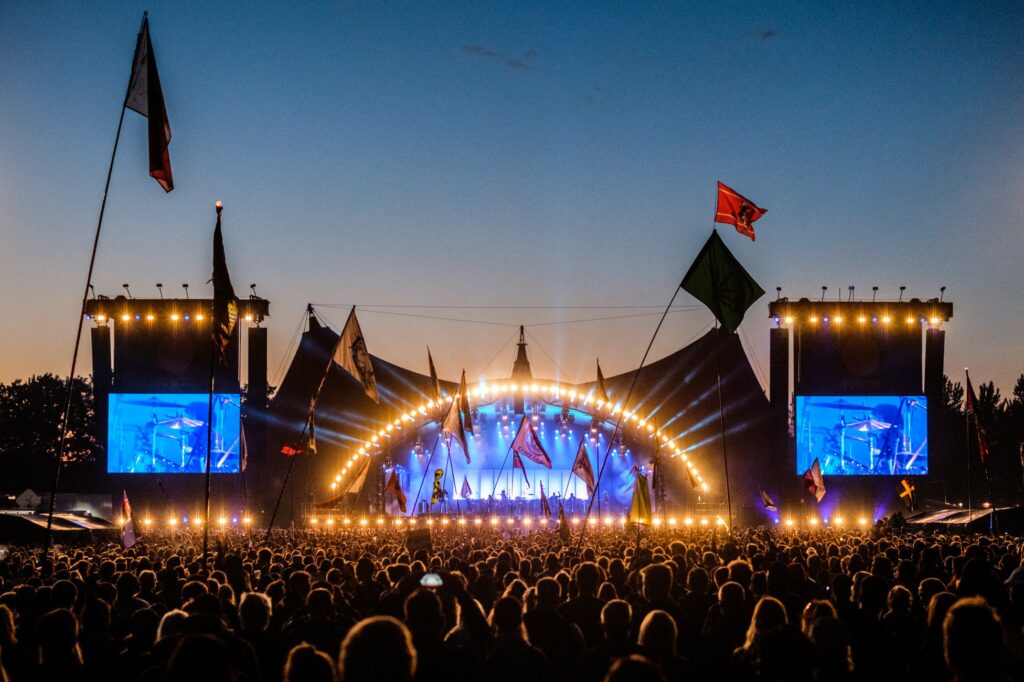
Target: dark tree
x,y
30,418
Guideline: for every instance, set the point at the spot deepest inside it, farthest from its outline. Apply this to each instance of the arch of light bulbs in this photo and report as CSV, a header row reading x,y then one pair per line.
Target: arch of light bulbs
x,y
488,392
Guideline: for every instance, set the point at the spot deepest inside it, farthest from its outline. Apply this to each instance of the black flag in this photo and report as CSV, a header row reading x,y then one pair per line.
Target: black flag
x,y
225,305
717,280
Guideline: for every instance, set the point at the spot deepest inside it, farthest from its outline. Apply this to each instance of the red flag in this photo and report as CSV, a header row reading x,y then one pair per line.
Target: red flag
x,y
813,481
290,451
581,468
545,508
972,413
736,209
395,488
528,444
147,97
517,463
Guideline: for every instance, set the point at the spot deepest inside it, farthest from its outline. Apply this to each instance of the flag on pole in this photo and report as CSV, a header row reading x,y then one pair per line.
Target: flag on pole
x,y
736,209
972,413
467,415
690,478
225,304
357,483
545,508
563,525
717,280
453,426
527,443
350,354
582,470
311,443
768,502
434,382
813,481
602,389
517,463
146,97
640,509
466,491
395,488
127,522
290,450
908,494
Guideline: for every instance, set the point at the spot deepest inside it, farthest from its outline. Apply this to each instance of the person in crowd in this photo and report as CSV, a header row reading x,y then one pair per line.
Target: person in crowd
x,y
305,663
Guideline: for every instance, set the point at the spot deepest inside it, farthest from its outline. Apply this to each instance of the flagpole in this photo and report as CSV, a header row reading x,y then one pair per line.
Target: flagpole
x,y
65,418
721,414
209,436
967,448
618,422
291,464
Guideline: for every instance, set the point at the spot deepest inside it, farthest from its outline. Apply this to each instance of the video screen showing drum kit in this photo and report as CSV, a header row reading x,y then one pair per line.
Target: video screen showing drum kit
x,y
167,433
862,435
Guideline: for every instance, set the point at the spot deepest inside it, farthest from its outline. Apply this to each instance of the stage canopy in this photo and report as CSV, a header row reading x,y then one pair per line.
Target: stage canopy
x,y
675,403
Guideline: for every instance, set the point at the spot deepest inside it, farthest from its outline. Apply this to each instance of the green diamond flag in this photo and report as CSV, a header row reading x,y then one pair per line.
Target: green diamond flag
x,y
717,280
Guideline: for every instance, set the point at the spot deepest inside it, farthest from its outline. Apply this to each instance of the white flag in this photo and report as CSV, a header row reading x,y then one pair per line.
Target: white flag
x,y
350,354
453,426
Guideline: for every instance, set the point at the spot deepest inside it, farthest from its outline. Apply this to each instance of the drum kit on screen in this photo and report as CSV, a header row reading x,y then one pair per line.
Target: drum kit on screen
x,y
175,443
878,442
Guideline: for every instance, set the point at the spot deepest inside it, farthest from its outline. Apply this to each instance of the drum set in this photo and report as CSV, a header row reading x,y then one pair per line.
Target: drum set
x,y
878,440
174,443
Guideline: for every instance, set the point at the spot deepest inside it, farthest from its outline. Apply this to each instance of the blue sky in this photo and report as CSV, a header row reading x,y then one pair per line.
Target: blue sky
x,y
518,154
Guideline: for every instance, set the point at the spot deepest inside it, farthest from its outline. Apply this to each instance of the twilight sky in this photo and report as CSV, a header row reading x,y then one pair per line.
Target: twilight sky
x,y
556,156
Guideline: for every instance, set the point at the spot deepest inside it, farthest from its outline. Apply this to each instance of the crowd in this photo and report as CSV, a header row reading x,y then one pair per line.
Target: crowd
x,y
490,604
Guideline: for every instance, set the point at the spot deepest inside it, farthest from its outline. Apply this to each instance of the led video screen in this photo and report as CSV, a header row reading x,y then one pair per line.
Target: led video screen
x,y
166,433
867,435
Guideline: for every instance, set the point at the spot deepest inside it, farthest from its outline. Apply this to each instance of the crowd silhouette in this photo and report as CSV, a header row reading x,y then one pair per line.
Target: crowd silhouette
x,y
352,605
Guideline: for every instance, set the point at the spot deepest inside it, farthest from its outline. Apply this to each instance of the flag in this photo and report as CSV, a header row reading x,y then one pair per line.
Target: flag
x,y
717,280
640,509
972,413
582,470
545,508
467,416
225,304
128,523
453,426
147,98
311,443
527,443
395,488
768,502
813,481
290,450
908,494
602,390
434,382
517,463
563,525
690,478
437,494
736,209
466,491
350,354
357,483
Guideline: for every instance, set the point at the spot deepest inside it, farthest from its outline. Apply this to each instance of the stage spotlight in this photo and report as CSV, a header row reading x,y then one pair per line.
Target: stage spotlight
x,y
688,521
838,319
886,319
247,520
126,317
862,319
719,521
862,521
363,522
813,521
462,522
330,522
380,521
934,321
789,319
607,520
789,522
527,521
657,522
703,522
199,316
575,521
494,521
222,521
148,522
813,319
672,521
444,522
478,521
838,520
172,522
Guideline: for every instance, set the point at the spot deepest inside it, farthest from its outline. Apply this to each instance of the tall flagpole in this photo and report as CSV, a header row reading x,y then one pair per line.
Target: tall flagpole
x,y
618,422
721,414
66,416
967,446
